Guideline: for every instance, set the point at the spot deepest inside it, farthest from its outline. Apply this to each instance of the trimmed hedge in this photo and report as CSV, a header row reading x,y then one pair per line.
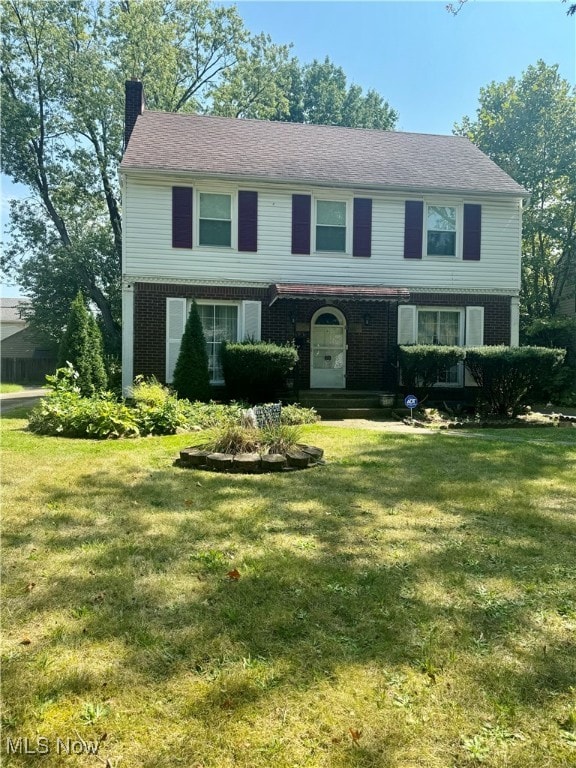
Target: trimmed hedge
x,y
423,364
257,371
509,376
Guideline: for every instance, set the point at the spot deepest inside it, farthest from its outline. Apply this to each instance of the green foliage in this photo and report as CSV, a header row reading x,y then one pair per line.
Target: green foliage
x,y
558,332
191,376
279,438
81,346
319,93
70,415
234,438
422,365
97,368
298,414
257,371
64,65
528,127
510,376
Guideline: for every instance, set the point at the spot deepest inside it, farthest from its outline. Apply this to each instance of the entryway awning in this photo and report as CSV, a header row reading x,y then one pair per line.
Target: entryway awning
x,y
337,292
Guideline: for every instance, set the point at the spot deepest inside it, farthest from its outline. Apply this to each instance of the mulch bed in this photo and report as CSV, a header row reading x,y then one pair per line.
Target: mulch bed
x,y
440,420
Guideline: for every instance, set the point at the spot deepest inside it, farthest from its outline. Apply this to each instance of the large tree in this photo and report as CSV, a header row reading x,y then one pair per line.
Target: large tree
x,y
63,72
528,127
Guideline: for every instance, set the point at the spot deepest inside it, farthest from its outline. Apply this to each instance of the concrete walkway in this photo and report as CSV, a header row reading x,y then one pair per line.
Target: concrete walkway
x,y
28,396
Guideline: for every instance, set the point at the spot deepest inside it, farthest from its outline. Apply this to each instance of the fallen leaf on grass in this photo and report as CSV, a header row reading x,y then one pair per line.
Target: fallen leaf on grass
x,y
233,575
355,735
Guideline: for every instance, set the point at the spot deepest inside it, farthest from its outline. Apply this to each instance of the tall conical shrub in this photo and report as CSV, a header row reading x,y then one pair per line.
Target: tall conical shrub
x,y
191,375
82,346
98,369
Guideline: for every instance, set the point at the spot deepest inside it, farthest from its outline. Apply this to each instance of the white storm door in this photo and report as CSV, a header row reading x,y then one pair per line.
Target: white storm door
x,y
328,350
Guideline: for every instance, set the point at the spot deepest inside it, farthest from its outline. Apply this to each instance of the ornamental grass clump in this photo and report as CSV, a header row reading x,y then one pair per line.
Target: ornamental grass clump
x,y
235,438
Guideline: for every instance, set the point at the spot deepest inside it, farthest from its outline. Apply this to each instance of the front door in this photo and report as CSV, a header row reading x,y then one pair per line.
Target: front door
x,y
328,353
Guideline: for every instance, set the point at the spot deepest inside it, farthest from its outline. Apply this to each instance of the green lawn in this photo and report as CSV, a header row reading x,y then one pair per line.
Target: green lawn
x,y
410,604
6,389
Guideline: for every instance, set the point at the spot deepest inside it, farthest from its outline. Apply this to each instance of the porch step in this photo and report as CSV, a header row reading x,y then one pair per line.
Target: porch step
x,y
344,404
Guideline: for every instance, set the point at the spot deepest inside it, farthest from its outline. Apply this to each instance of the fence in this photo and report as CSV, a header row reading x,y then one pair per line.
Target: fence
x,y
25,370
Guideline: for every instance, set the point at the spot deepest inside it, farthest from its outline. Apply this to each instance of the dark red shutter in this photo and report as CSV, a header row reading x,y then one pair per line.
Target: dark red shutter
x,y
247,221
472,232
413,229
181,217
362,235
301,220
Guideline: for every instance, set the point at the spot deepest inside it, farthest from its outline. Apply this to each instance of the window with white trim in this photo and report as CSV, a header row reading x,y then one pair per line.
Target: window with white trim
x,y
441,232
444,327
331,226
215,219
219,323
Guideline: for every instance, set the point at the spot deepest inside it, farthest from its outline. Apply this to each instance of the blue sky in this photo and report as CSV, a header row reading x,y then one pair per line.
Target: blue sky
x,y
428,64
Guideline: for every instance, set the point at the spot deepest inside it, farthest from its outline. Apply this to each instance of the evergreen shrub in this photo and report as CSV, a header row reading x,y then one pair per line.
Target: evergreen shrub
x,y
509,377
423,364
257,371
191,375
81,346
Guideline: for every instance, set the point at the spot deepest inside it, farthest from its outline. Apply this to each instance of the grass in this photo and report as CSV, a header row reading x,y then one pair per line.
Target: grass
x,y
411,604
6,389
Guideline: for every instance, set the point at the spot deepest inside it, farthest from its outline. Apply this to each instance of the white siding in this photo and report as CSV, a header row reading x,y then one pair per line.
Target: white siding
x,y
148,251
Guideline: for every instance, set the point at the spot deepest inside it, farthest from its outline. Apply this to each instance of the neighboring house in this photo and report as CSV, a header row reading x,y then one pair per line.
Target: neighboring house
x,y
12,316
346,241
25,356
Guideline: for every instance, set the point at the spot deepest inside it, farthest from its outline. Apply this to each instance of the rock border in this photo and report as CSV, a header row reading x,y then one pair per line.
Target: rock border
x,y
300,457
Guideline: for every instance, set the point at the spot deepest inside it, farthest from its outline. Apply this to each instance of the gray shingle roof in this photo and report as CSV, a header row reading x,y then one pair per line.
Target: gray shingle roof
x,y
11,310
313,154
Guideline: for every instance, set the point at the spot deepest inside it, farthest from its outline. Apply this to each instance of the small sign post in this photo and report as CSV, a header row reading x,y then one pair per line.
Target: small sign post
x,y
411,401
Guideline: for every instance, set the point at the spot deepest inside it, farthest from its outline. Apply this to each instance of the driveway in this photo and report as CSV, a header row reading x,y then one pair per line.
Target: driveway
x,y
27,397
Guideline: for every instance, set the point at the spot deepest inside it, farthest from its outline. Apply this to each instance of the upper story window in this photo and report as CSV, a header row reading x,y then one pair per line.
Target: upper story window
x,y
331,226
434,230
441,230
215,219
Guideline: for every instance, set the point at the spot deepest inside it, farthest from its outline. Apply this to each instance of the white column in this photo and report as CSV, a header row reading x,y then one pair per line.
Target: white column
x,y
514,321
127,338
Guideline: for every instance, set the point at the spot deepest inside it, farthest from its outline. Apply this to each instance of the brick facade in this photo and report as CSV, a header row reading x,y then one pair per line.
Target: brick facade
x,y
371,327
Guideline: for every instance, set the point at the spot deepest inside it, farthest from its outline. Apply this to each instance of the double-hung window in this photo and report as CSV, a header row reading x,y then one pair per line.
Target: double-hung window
x,y
219,323
215,219
444,327
331,226
441,230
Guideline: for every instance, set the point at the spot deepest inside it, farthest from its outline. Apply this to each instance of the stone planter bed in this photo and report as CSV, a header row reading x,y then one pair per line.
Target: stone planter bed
x,y
300,457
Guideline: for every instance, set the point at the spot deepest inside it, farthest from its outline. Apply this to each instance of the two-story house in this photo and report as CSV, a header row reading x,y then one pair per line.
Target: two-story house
x,y
347,241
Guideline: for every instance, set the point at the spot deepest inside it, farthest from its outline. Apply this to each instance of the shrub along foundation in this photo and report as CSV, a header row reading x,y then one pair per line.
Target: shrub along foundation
x,y
300,457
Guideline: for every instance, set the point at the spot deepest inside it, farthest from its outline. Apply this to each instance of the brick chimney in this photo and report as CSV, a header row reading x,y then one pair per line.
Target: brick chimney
x,y
134,106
